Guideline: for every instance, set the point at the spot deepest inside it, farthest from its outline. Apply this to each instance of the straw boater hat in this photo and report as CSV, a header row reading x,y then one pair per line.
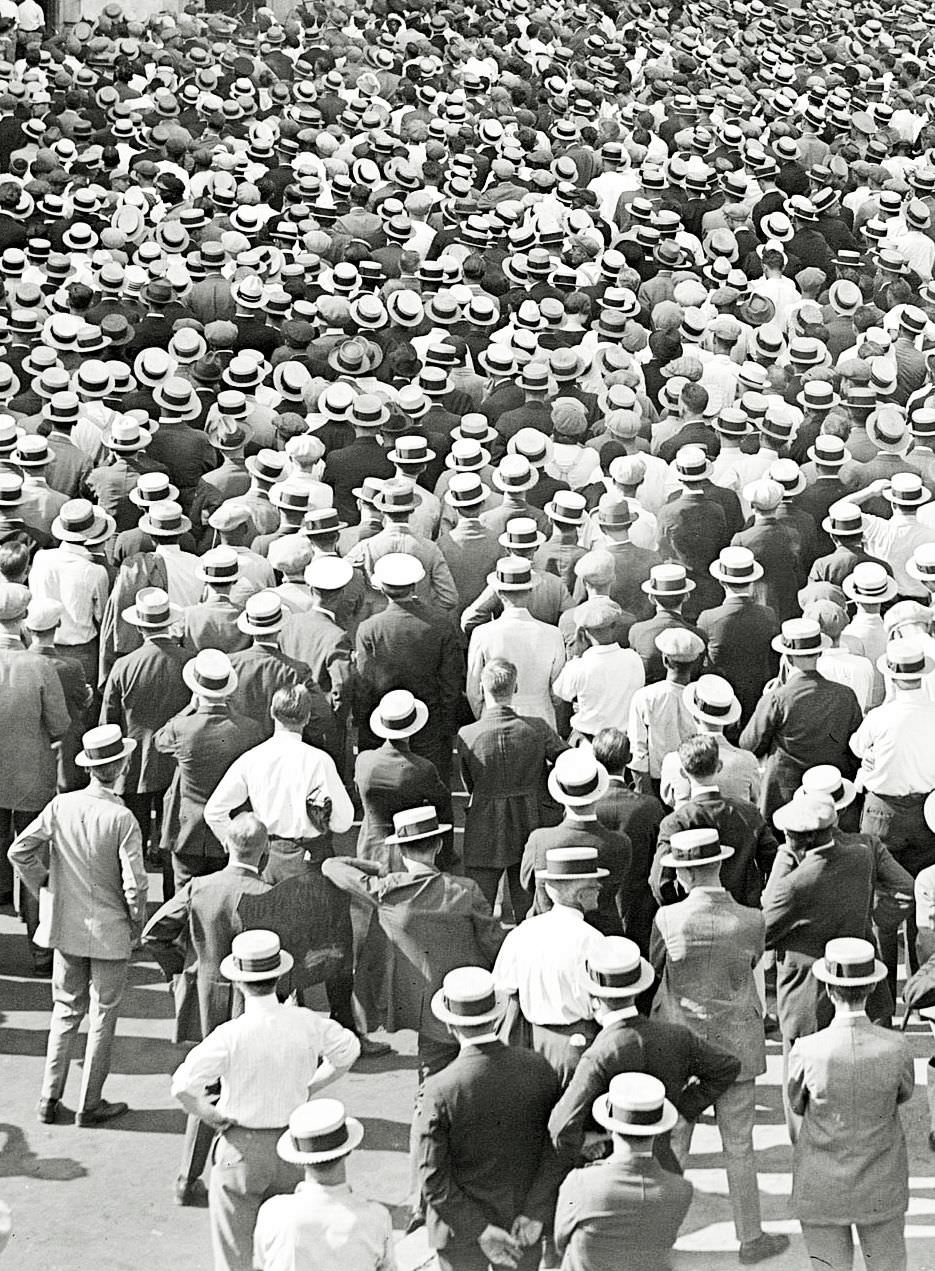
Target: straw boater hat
x,y
826,782
800,638
668,579
869,582
415,825
319,1131
164,520
468,995
849,963
736,566
256,955
635,1104
152,610
577,778
102,745
691,848
570,865
618,969
712,700
262,614
905,659
399,714
209,674
79,521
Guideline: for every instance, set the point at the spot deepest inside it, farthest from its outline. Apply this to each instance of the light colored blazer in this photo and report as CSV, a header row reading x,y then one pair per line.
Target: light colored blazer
x,y
88,845
704,949
850,1163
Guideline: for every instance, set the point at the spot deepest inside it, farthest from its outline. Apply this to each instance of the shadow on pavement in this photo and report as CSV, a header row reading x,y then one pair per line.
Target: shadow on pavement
x,y
381,1135
18,1159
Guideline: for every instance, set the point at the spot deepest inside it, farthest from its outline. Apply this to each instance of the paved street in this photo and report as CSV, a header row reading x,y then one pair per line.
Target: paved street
x,y
101,1200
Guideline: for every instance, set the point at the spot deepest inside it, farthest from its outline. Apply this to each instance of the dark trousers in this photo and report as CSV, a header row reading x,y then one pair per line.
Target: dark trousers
x,y
185,868
488,880
11,823
431,1057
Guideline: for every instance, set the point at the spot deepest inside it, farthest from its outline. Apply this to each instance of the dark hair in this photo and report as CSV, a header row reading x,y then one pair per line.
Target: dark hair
x,y
849,994
14,561
700,755
612,749
292,705
499,677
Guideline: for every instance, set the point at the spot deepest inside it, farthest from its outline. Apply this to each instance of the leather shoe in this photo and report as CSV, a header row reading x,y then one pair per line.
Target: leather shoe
x,y
100,1114
369,1049
767,1245
191,1193
48,1111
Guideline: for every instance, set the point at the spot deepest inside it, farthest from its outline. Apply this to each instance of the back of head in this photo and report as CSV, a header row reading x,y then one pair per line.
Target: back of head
x,y
612,749
246,839
498,679
700,756
291,707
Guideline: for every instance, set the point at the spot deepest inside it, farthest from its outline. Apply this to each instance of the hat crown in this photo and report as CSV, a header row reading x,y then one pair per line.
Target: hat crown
x,y
263,609
211,669
869,579
105,741
256,951
636,1098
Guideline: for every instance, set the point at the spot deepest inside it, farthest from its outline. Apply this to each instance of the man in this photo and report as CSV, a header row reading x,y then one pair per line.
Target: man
x,y
143,691
409,645
846,1083
189,936
801,721
315,638
83,858
658,720
704,949
536,649
504,761
212,623
203,739
487,1172
694,1072
737,821
577,782
33,715
323,1222
740,631
668,587
601,682
627,1201
549,597
42,620
305,1050
542,961
632,564
898,771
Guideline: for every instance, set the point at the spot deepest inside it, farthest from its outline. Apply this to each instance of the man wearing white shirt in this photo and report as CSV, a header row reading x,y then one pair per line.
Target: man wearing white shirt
x,y
543,961
293,788
303,1050
895,540
602,681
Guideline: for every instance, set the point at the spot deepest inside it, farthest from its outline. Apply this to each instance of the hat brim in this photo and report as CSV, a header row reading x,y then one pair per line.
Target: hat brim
x,y
820,972
247,627
668,861
215,694
646,980
929,664
381,730
696,711
231,971
924,496
857,532
134,497
443,828
802,401
132,615
122,448
777,645
147,527
846,799
288,1151
714,569
83,760
102,528
441,1013
371,362
513,488
555,514
574,801
892,590
685,590
600,1110
504,541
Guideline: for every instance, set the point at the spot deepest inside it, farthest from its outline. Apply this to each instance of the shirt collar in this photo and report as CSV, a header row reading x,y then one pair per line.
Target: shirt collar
x,y
614,1017
329,613
565,912
265,1005
571,815
418,867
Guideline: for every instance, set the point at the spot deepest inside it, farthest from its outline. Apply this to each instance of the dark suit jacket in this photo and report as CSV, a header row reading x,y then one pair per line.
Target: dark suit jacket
x,y
203,741
186,452
261,670
213,625
422,926
740,826
346,468
408,646
504,762
638,816
389,781
143,691
694,1073
315,639
739,634
771,542
189,935
613,854
692,529
632,567
642,640
483,1148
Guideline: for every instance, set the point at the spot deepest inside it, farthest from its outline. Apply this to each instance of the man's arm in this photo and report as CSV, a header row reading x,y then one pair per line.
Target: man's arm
x,y
762,726
231,793
570,1115
475,665
55,717
164,936
133,873
353,875
29,851
465,1220
202,1067
712,1070
486,607
338,1050
925,913
442,583
778,899
342,809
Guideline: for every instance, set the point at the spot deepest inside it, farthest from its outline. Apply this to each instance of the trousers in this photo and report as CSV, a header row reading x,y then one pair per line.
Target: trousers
x,y
246,1170
83,986
488,880
883,1245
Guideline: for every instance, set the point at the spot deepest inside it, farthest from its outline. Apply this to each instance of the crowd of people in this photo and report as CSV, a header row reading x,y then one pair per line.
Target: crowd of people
x,y
533,402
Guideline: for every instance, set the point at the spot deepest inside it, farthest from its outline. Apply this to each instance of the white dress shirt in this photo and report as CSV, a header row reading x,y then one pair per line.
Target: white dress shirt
x,y
183,571
321,1228
856,672
895,541
536,649
865,635
80,585
543,961
895,745
658,723
738,777
601,682
265,1060
278,777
